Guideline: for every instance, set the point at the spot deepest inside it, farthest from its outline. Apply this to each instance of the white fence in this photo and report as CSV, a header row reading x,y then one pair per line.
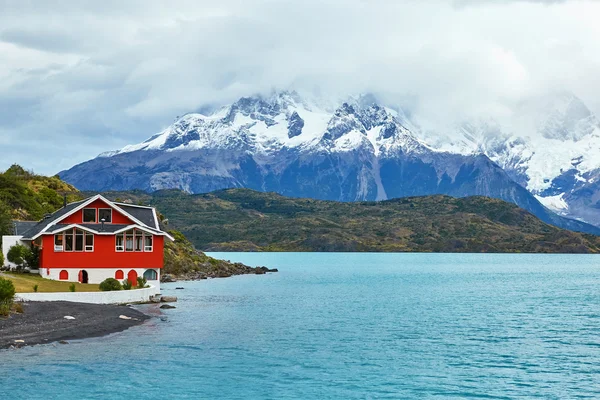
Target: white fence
x,y
112,297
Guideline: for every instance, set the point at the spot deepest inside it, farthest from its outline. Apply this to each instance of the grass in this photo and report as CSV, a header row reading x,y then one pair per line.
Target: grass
x,y
24,283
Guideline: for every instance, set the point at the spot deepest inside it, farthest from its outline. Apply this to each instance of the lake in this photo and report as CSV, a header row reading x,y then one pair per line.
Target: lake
x,y
346,326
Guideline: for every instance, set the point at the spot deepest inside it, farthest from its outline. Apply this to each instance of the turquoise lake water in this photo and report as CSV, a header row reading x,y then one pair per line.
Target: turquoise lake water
x,y
346,326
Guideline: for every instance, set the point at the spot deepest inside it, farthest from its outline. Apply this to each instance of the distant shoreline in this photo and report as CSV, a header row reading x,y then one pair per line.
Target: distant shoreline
x,y
45,322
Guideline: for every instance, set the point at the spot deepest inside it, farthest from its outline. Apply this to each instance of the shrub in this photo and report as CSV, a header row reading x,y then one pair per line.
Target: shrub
x,y
7,290
141,282
72,287
18,307
32,258
127,284
1,259
35,288
110,284
19,255
5,308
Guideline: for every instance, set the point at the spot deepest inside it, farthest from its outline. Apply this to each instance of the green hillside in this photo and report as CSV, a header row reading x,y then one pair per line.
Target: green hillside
x,y
245,220
27,196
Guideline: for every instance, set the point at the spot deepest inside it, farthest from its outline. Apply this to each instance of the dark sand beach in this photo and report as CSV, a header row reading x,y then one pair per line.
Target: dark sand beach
x,y
45,322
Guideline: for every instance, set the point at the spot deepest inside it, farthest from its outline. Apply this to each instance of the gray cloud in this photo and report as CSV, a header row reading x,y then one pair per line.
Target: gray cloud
x,y
95,76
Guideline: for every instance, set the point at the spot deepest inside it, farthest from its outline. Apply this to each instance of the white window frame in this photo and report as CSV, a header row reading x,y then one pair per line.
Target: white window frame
x,y
75,240
95,216
148,248
120,248
60,248
86,247
111,215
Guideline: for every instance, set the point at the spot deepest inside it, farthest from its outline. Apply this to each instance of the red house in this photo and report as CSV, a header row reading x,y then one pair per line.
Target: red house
x,y
94,239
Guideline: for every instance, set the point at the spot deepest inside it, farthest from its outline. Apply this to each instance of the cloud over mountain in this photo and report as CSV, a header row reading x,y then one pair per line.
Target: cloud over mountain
x,y
97,76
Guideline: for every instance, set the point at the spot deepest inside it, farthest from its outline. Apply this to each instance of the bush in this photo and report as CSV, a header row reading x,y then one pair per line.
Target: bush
x,y
110,284
141,282
19,255
127,284
7,290
35,288
72,287
5,308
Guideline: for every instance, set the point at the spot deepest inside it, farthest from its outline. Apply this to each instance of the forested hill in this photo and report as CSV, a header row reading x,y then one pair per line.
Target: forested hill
x,y
27,196
246,220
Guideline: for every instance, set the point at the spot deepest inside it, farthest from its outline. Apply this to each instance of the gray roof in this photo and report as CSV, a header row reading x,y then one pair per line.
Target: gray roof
x,y
143,214
20,227
29,229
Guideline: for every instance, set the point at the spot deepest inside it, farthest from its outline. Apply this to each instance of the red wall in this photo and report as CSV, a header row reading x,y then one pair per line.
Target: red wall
x,y
103,256
77,218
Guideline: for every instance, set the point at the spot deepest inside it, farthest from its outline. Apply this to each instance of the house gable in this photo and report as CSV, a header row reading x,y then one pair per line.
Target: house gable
x,y
117,216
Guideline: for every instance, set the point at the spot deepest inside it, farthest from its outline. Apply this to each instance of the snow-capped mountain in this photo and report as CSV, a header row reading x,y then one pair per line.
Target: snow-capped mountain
x,y
298,147
550,146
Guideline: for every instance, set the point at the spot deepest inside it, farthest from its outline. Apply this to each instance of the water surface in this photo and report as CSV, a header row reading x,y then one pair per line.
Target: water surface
x,y
345,326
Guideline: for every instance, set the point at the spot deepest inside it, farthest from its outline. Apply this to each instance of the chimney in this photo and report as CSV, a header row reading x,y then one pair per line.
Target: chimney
x,y
64,200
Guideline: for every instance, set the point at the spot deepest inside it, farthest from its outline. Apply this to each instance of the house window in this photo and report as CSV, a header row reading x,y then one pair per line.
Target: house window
x,y
58,242
148,243
129,240
119,242
139,240
78,240
89,241
150,275
89,215
105,214
69,240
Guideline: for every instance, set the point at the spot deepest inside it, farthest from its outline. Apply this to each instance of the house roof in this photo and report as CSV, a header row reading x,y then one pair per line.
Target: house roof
x,y
144,217
144,214
20,227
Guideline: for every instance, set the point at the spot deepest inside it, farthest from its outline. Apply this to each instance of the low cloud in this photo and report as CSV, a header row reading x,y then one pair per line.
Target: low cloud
x,y
85,77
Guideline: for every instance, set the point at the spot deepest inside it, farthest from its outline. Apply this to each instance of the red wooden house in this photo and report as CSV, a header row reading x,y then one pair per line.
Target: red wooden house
x,y
94,239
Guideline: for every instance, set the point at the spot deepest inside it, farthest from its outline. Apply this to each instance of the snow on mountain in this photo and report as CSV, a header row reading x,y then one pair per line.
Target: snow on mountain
x,y
551,146
303,147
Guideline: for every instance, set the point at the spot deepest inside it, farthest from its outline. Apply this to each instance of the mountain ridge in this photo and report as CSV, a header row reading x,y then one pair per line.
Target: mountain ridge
x,y
284,143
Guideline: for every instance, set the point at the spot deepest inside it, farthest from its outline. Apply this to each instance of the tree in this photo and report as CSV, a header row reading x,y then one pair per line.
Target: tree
x,y
5,219
19,254
33,258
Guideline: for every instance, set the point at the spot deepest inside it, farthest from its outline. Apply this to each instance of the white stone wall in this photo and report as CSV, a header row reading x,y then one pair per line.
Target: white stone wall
x,y
96,275
7,243
114,297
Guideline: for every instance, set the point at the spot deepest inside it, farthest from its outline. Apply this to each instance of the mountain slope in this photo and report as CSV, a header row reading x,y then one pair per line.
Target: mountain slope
x,y
246,220
549,145
295,147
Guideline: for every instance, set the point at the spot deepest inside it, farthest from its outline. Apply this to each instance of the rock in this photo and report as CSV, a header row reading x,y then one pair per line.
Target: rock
x,y
155,299
167,306
259,270
168,299
124,317
19,341
273,270
167,278
178,288
63,342
68,317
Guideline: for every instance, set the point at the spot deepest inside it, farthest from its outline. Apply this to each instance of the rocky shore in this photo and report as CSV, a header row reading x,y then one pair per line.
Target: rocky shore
x,y
224,271
60,321
184,262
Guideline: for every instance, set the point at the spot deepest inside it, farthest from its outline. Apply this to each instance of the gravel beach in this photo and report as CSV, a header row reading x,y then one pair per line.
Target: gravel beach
x,y
45,322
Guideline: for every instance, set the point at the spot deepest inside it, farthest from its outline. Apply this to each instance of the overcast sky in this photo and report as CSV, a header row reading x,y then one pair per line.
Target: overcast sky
x,y
80,78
